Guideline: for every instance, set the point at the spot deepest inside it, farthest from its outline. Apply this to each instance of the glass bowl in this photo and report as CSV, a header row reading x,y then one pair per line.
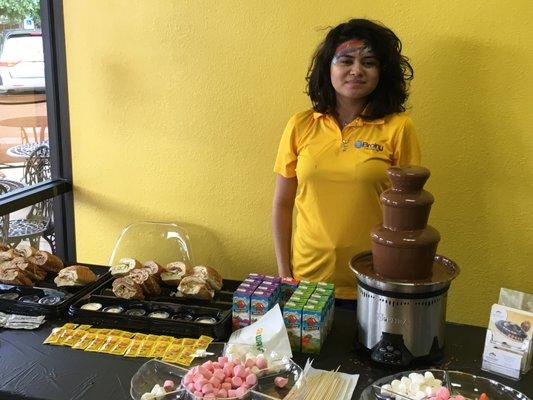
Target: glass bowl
x,y
468,385
157,372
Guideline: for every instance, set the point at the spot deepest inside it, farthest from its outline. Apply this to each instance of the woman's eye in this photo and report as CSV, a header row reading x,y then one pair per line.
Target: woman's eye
x,y
346,61
370,64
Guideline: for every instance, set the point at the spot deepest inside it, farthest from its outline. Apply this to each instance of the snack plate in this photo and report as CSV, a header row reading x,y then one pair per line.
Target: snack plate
x,y
181,319
156,372
66,294
467,385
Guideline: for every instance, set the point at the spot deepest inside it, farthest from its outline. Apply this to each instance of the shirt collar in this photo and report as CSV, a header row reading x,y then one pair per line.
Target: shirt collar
x,y
360,121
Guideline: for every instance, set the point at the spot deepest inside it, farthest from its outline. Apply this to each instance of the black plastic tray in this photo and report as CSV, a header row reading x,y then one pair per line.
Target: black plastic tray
x,y
68,294
219,310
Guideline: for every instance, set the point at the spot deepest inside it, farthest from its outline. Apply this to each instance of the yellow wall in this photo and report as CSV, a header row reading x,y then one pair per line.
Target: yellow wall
x,y
177,107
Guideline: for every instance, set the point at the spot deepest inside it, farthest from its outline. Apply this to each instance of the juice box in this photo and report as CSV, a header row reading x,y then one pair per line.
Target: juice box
x,y
253,275
306,284
272,278
241,308
252,282
292,316
313,327
287,288
260,303
326,285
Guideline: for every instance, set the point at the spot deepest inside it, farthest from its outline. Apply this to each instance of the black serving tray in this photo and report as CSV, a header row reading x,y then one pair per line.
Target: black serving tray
x,y
68,294
219,310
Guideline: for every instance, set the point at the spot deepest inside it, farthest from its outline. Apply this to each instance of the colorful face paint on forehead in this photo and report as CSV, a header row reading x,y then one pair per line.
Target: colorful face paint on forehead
x,y
357,46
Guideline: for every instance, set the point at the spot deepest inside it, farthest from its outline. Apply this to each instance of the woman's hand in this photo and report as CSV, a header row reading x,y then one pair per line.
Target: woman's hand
x,y
282,209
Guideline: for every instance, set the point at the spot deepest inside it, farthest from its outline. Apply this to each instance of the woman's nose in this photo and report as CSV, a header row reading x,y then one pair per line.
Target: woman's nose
x,y
356,69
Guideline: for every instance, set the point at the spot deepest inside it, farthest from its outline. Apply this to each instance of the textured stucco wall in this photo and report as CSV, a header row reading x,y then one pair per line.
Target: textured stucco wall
x,y
177,108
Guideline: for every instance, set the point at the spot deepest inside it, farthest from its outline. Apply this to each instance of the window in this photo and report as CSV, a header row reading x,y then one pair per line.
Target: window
x,y
36,205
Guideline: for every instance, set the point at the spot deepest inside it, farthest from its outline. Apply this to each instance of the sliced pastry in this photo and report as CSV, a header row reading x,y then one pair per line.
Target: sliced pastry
x,y
15,277
175,272
155,268
195,286
147,280
75,275
211,275
47,261
126,288
124,266
33,271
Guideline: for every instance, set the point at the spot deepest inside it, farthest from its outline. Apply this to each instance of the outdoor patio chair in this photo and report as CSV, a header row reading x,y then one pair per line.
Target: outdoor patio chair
x,y
162,242
39,220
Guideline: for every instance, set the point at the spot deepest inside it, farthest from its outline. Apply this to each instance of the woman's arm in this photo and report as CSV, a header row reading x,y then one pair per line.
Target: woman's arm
x,y
282,208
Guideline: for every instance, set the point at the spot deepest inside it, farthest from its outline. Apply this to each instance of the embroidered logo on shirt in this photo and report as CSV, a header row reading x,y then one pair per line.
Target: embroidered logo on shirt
x,y
359,144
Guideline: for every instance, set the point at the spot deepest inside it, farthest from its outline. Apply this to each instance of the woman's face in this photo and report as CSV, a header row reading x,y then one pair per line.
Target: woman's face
x,y
354,70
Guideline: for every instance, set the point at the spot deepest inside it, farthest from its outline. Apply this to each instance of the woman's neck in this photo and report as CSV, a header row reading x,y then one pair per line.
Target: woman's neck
x,y
349,109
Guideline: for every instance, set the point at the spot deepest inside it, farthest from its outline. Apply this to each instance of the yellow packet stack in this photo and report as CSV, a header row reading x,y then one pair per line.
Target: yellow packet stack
x,y
172,353
127,335
203,342
83,327
146,348
109,344
84,341
159,348
133,348
189,342
140,336
64,336
184,360
54,336
74,337
96,343
121,346
69,325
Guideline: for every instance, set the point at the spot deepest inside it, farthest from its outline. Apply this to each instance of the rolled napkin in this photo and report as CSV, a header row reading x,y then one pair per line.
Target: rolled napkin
x,y
175,272
47,261
75,275
197,287
210,275
124,266
127,288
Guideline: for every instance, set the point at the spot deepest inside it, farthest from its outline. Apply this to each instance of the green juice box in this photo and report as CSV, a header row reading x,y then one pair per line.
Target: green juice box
x,y
313,327
292,316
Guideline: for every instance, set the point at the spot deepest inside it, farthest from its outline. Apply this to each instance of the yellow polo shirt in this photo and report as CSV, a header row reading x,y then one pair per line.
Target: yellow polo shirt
x,y
337,200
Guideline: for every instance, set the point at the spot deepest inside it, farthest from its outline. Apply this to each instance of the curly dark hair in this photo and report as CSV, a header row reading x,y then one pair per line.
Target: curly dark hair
x,y
395,71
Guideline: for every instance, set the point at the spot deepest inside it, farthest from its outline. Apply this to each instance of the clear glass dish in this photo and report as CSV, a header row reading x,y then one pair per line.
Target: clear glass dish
x,y
156,372
468,385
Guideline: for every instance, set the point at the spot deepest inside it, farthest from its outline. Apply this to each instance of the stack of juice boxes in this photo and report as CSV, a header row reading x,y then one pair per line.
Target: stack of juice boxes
x,y
256,295
307,307
308,315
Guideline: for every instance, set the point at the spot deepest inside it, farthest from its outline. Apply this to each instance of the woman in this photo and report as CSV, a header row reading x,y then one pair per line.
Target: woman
x,y
332,158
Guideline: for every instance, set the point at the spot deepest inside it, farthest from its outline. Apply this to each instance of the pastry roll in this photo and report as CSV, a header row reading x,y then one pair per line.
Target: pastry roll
x,y
124,266
197,287
15,277
154,268
211,276
127,288
47,261
26,251
147,280
175,272
33,271
7,255
75,275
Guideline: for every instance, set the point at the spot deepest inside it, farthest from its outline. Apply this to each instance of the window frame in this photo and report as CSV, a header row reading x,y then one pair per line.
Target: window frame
x,y
60,186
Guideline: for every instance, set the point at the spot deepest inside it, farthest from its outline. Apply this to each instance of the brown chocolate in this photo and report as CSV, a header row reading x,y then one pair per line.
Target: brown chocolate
x,y
404,246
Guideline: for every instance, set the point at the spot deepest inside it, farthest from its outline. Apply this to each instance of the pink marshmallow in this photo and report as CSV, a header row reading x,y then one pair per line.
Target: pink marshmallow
x,y
238,371
249,363
199,394
215,382
228,380
187,379
261,363
222,393
239,392
190,387
230,364
200,384
226,385
207,388
222,360
443,393
197,377
236,381
231,393
251,379
280,381
228,371
219,374
209,396
459,397
168,385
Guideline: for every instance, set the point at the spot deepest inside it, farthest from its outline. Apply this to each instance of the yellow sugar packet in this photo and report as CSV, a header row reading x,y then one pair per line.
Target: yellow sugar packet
x,y
64,336
115,332
84,341
152,337
74,337
146,348
121,346
96,343
165,338
133,348
127,335
159,348
184,360
83,327
188,351
173,351
54,336
178,342
189,342
103,331
203,342
139,336
69,325
109,344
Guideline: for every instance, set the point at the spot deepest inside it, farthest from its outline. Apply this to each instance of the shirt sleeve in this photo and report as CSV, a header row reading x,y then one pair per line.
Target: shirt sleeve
x,y
407,148
287,152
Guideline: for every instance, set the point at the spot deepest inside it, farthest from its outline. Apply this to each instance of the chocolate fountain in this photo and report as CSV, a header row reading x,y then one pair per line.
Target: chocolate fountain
x,y
402,284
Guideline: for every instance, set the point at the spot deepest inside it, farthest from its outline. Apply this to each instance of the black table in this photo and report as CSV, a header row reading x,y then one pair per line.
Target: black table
x,y
31,370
